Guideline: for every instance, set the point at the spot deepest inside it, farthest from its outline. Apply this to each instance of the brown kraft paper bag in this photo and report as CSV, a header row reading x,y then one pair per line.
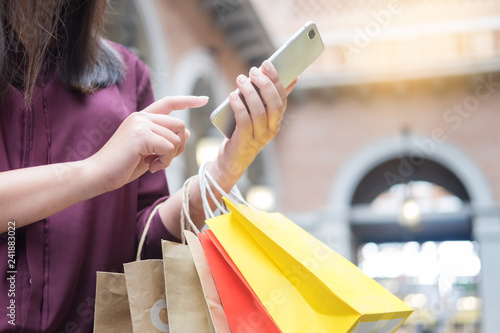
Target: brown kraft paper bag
x,y
146,295
112,312
187,310
143,284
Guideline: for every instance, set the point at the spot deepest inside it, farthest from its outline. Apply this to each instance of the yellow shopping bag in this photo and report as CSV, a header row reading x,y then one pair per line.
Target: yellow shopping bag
x,y
304,285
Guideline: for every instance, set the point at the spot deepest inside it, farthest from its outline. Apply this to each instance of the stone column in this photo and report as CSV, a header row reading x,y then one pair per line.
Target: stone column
x,y
487,234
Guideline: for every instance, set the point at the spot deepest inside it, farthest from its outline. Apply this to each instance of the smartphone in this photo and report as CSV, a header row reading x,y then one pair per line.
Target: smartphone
x,y
290,60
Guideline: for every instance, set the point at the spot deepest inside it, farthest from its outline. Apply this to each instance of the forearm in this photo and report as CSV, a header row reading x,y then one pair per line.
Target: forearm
x,y
31,194
170,210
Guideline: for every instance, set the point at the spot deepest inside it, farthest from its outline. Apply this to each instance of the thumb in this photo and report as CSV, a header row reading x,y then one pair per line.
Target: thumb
x,y
168,104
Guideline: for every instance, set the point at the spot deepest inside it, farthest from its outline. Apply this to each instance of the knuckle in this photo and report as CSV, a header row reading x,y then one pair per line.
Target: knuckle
x,y
136,116
260,112
283,95
273,76
266,84
139,130
280,105
249,92
176,141
178,125
238,107
176,121
181,149
276,120
170,148
165,161
274,125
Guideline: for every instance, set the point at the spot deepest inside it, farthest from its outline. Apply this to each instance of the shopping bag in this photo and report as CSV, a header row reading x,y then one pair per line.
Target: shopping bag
x,y
212,299
146,289
187,310
192,300
133,301
146,295
245,312
319,290
112,313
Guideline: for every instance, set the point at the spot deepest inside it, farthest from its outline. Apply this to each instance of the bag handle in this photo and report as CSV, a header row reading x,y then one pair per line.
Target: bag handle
x,y
145,231
184,216
205,179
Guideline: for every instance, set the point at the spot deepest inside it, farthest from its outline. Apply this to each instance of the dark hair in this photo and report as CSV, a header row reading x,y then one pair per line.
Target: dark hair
x,y
38,36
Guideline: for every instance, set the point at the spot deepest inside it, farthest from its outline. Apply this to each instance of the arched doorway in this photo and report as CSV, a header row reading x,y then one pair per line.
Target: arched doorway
x,y
401,159
382,198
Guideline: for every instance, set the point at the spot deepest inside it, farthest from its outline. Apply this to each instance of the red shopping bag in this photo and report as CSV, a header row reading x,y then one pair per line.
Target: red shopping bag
x,y
245,312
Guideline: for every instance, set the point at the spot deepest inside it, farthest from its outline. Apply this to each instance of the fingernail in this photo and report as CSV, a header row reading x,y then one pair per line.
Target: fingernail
x,y
267,65
254,71
204,98
233,95
242,79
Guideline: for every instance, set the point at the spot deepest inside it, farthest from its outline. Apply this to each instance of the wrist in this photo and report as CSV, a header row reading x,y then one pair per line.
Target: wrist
x,y
225,174
93,179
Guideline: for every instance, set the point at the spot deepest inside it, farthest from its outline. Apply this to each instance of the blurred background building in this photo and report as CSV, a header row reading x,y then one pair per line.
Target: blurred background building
x,y
389,148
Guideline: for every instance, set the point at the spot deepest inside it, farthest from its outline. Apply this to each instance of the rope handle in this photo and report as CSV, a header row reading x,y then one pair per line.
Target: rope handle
x,y
185,215
145,231
205,180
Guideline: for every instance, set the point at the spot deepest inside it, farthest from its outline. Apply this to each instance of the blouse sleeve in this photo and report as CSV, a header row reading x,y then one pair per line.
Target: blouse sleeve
x,y
153,188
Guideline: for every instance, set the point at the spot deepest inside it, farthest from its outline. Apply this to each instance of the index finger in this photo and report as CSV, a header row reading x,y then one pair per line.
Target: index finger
x,y
171,103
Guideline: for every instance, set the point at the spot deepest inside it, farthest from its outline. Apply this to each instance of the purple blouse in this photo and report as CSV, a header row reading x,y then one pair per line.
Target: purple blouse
x,y
56,259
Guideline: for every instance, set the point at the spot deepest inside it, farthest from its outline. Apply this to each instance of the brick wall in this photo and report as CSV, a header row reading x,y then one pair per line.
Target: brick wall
x,y
322,130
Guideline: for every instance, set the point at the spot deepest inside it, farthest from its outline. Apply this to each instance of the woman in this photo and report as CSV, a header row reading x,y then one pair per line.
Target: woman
x,y
79,168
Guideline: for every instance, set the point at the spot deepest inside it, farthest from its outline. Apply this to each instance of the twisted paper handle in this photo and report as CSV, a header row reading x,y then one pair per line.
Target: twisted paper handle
x,y
145,231
205,180
185,215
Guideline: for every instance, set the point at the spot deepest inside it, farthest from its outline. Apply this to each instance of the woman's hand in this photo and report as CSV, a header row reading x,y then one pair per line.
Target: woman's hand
x,y
146,140
258,119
